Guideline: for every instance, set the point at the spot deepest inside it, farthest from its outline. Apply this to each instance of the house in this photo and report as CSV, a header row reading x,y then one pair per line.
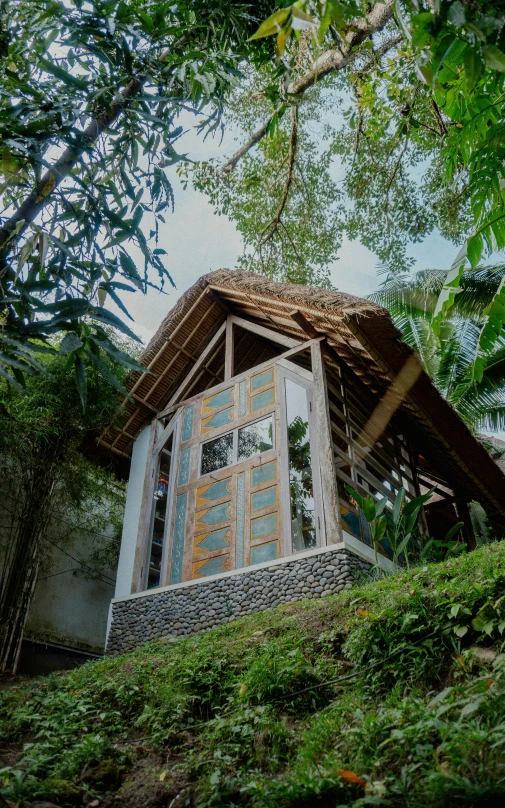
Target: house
x,y
260,402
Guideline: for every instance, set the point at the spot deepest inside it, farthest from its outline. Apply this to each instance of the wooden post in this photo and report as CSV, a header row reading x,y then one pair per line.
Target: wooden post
x,y
331,505
228,361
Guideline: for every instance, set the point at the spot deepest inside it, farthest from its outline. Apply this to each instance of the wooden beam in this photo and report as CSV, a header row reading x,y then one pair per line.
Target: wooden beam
x,y
166,342
305,324
300,346
164,436
331,504
282,339
196,367
140,400
164,372
228,362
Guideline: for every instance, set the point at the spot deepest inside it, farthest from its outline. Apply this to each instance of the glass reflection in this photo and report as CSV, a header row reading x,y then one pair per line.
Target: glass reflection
x,y
255,438
218,453
303,530
159,516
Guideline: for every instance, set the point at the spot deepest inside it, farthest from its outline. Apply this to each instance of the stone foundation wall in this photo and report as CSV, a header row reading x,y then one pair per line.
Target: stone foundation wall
x,y
194,607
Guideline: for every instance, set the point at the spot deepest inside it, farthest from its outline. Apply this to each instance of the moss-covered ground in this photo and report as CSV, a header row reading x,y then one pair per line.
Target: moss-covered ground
x,y
390,694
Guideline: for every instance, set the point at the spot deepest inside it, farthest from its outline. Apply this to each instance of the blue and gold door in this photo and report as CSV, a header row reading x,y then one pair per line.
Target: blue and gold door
x,y
227,511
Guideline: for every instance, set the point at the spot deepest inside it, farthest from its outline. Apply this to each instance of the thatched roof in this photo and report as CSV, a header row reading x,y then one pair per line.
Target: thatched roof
x,y
360,332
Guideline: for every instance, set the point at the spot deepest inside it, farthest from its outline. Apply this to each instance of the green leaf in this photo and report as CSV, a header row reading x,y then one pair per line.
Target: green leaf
x,y
378,529
473,68
380,506
11,380
119,356
453,530
359,499
397,507
368,508
494,57
480,621
402,21
491,330
481,527
425,552
456,14
450,289
441,54
63,75
70,343
104,316
416,504
470,708
273,24
107,373
130,270
475,246
403,544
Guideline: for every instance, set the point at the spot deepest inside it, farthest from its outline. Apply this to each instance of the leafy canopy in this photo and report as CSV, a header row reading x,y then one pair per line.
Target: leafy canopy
x,y
90,99
414,93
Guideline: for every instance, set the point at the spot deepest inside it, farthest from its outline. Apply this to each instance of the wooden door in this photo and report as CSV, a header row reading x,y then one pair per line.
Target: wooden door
x,y
227,502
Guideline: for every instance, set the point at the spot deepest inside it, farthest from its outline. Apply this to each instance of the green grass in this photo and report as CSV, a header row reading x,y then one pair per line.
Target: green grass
x,y
416,717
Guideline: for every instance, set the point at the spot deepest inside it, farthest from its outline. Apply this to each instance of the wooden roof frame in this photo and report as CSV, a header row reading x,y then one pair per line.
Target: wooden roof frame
x,y
359,333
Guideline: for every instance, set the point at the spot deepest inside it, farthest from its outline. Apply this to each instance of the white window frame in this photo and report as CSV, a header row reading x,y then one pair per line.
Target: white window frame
x,y
234,432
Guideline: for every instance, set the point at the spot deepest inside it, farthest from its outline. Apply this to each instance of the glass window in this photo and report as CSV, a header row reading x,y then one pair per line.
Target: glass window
x,y
160,515
303,529
216,454
255,438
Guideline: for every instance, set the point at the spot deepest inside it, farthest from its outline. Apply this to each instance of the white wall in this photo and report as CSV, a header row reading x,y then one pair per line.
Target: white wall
x,y
132,513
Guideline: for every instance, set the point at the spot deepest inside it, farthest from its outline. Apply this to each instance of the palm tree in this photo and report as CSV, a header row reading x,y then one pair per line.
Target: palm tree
x,y
449,355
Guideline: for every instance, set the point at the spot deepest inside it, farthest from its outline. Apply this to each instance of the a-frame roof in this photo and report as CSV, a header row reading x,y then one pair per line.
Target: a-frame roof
x,y
360,332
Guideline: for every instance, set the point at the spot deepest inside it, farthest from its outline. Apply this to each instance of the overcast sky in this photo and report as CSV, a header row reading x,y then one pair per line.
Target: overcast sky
x,y
197,241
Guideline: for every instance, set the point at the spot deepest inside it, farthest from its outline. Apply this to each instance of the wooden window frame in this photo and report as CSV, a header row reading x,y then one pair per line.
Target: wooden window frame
x,y
286,372
173,428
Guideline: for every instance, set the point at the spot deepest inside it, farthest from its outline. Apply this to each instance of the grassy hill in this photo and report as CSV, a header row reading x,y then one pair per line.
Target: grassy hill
x,y
390,694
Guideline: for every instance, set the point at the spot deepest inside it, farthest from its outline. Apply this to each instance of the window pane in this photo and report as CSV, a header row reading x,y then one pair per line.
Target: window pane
x,y
255,438
218,453
303,531
160,514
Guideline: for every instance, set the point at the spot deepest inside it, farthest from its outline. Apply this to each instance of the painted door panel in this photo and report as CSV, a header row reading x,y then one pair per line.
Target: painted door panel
x,y
233,516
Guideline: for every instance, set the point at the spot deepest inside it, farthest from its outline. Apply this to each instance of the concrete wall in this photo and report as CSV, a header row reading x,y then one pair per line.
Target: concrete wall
x,y
196,605
70,604
70,607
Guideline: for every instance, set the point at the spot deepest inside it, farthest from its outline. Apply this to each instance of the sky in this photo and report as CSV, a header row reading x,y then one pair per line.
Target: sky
x,y
198,241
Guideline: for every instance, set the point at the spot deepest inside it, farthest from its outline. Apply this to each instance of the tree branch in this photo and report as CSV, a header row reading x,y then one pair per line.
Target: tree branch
x,y
329,62
438,117
335,58
255,138
273,225
54,176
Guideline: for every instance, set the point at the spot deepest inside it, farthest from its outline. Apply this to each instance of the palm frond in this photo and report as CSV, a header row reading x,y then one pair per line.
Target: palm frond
x,y
493,420
478,288
449,356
